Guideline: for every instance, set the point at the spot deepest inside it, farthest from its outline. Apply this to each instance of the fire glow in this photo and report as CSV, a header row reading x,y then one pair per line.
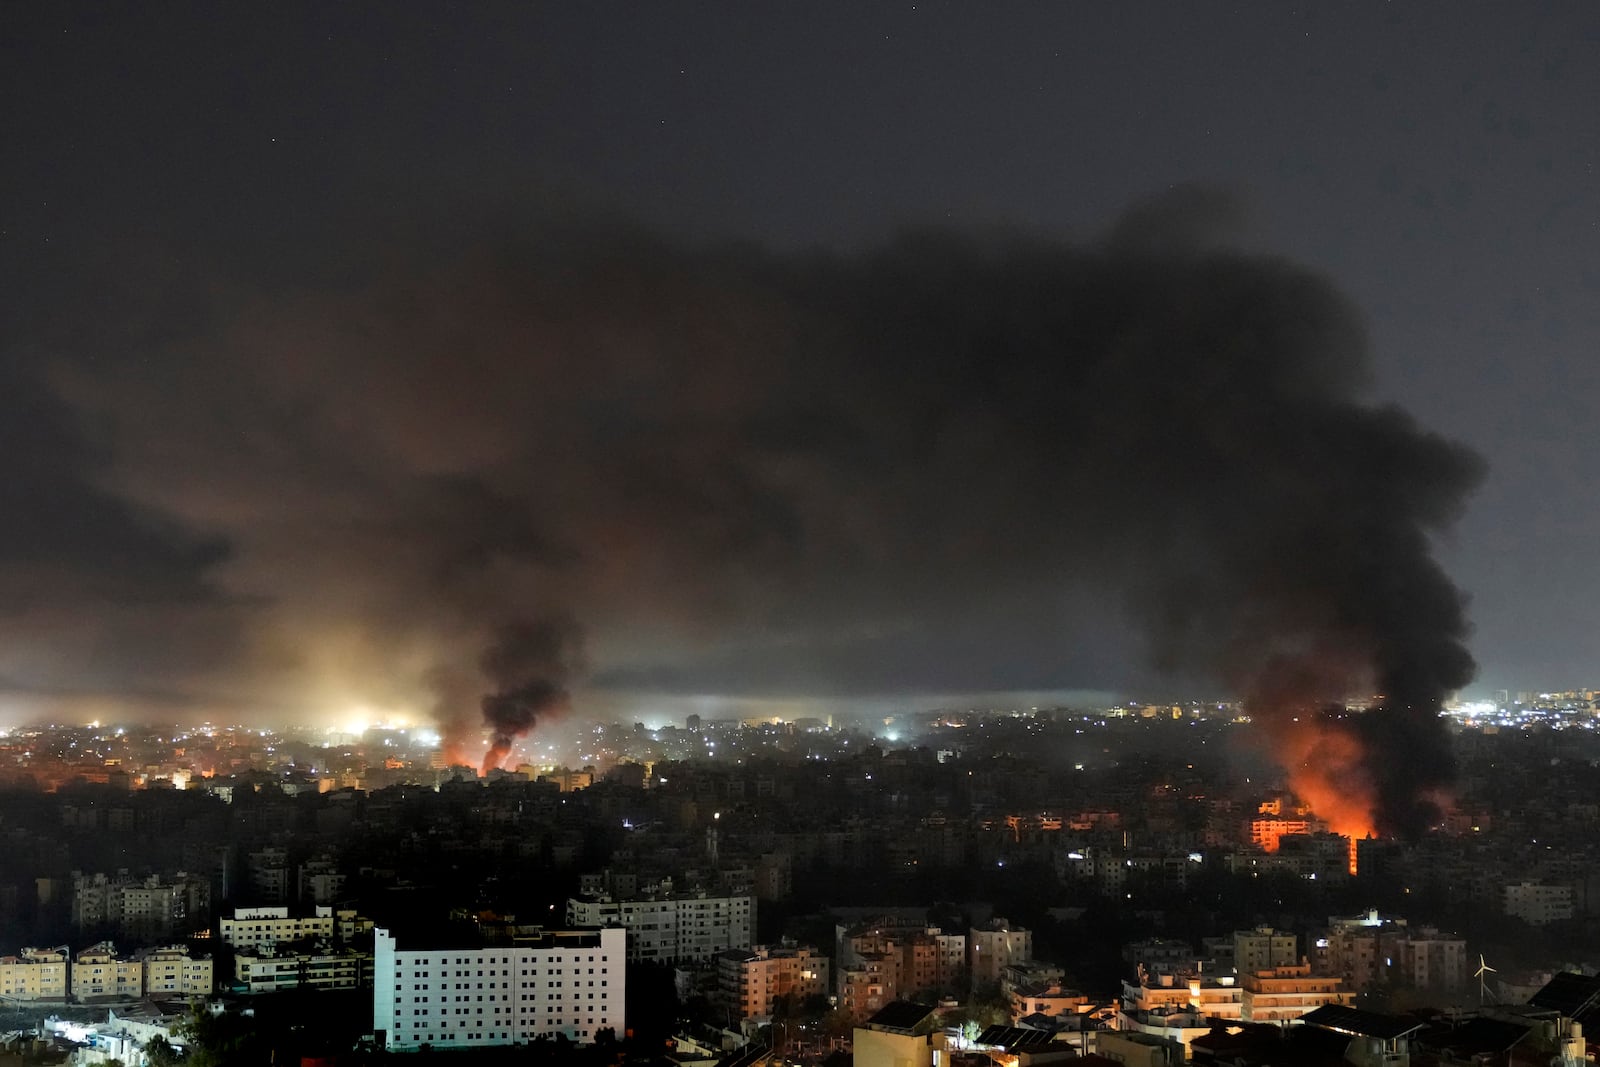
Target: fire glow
x,y
1326,768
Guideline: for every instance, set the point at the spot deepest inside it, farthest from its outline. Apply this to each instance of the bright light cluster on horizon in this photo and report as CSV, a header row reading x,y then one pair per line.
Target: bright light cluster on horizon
x,y
1556,714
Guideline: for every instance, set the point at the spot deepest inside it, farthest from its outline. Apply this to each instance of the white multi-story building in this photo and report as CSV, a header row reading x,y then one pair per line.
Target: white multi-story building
x,y
263,928
672,929
992,948
1537,904
558,982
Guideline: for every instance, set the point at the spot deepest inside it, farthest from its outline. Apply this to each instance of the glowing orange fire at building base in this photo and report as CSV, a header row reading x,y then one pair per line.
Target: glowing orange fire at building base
x,y
1325,771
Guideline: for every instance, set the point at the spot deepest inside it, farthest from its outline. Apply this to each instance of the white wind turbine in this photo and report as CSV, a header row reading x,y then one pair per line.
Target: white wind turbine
x,y
1481,974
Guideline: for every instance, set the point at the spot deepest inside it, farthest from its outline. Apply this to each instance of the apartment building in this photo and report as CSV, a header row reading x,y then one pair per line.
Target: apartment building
x,y
750,981
774,876
145,909
928,959
995,946
1027,974
268,969
933,960
1430,959
1357,947
1536,903
35,974
867,986
1047,998
98,971
1282,994
263,928
1165,992
1368,950
571,983
320,881
672,928
1262,949
172,971
268,873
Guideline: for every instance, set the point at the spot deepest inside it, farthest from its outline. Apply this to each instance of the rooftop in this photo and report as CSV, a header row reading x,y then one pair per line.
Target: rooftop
x,y
1365,1023
900,1016
1573,995
1013,1037
1475,1037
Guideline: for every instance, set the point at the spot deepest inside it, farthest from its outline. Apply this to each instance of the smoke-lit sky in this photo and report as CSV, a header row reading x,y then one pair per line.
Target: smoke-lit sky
x,y
340,339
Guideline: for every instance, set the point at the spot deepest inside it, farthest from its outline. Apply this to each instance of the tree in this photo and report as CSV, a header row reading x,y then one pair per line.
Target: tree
x,y
227,1039
988,1005
839,1023
161,1053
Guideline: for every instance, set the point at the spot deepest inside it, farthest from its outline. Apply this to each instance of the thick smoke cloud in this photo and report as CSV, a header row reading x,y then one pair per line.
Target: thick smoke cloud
x,y
733,466
92,585
530,664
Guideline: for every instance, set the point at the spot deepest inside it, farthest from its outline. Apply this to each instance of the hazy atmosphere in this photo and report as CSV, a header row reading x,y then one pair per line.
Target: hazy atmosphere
x,y
868,357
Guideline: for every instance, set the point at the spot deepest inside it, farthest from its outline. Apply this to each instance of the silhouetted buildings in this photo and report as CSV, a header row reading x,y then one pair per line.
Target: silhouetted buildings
x,y
140,909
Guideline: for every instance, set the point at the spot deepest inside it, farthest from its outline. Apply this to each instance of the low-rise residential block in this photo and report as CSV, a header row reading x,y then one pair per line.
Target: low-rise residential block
x,y
1283,994
267,970
35,974
98,971
263,928
173,971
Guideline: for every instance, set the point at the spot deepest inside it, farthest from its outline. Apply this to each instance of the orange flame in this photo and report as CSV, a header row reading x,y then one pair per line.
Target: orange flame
x,y
1324,765
1323,761
1322,756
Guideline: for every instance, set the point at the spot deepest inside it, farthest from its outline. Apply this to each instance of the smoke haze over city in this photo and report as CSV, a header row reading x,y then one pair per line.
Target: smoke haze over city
x,y
299,433
906,534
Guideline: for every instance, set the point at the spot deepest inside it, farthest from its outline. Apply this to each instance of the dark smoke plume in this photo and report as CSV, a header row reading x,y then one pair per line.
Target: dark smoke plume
x,y
751,472
530,663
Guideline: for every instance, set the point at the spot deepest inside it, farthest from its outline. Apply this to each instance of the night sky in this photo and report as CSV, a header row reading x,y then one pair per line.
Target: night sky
x,y
868,354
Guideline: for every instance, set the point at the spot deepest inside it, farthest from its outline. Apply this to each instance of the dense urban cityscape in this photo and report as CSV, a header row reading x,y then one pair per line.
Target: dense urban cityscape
x,y
1127,881
903,533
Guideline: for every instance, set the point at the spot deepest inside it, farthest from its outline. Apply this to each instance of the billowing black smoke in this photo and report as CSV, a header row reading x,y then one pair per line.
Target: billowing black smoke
x,y
934,465
1187,418
531,662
